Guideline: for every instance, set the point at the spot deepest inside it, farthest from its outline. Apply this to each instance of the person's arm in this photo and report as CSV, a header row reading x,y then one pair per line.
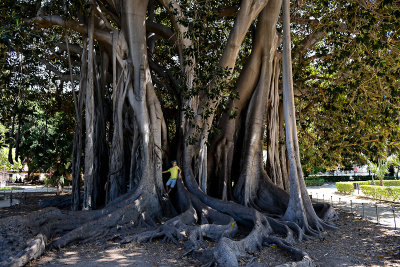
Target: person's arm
x,y
164,172
180,172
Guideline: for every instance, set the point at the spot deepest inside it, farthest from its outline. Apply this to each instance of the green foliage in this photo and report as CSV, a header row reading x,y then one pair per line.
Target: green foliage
x,y
314,182
379,169
381,192
9,188
345,187
4,151
4,163
370,190
46,142
391,182
36,106
55,180
382,167
338,178
364,183
349,83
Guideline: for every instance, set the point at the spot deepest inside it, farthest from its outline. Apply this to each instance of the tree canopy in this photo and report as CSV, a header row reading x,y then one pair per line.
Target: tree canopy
x,y
211,84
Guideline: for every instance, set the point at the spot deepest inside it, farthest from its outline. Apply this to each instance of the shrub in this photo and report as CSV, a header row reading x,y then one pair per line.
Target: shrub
x,y
363,183
348,187
54,180
314,182
11,188
391,182
381,192
345,178
345,187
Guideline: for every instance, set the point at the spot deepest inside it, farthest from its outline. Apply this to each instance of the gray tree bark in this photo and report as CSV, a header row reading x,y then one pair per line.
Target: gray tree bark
x,y
135,188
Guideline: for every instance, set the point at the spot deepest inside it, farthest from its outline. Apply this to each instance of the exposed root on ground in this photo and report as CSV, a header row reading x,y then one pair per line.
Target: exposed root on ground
x,y
200,218
192,226
27,237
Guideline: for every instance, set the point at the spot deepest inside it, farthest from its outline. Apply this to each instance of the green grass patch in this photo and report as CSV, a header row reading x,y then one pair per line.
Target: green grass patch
x,y
10,188
381,192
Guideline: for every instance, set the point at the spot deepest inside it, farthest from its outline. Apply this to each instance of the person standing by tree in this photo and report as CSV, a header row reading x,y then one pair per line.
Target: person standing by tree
x,y
175,171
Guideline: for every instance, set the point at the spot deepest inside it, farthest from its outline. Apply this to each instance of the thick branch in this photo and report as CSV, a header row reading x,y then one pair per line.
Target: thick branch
x,y
162,30
228,11
309,41
166,75
47,21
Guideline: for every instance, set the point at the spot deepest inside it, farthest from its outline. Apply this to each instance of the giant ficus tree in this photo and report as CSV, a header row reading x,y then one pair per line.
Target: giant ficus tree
x,y
199,82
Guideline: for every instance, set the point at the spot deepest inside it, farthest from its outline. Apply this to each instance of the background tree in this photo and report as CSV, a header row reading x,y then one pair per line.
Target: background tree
x,y
4,163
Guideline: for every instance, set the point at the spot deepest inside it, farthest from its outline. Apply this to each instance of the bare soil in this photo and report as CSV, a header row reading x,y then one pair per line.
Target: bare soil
x,y
358,242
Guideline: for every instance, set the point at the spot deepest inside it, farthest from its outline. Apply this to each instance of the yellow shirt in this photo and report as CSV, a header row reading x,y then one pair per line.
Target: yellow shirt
x,y
174,172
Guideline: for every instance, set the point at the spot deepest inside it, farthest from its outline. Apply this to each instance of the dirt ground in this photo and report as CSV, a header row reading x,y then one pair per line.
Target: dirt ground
x,y
357,243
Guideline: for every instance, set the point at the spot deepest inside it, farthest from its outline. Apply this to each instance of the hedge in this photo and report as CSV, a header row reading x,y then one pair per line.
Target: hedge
x,y
345,187
315,182
360,183
381,192
348,187
344,178
389,182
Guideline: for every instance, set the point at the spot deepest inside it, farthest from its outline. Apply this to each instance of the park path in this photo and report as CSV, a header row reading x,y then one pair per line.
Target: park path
x,y
384,213
24,189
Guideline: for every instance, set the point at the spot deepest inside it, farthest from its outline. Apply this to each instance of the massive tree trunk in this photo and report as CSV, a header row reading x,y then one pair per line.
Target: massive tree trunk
x,y
216,168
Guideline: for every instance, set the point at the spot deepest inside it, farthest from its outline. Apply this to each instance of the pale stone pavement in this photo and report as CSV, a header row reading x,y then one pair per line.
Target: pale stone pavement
x,y
388,212
5,194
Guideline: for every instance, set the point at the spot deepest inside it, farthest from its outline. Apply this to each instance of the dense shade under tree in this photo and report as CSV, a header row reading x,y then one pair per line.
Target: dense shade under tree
x,y
200,83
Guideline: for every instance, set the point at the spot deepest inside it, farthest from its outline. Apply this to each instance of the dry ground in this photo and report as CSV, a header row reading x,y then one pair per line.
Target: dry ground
x,y
357,243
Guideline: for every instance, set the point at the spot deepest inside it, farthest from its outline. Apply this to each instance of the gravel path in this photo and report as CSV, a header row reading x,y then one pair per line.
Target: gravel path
x,y
22,191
